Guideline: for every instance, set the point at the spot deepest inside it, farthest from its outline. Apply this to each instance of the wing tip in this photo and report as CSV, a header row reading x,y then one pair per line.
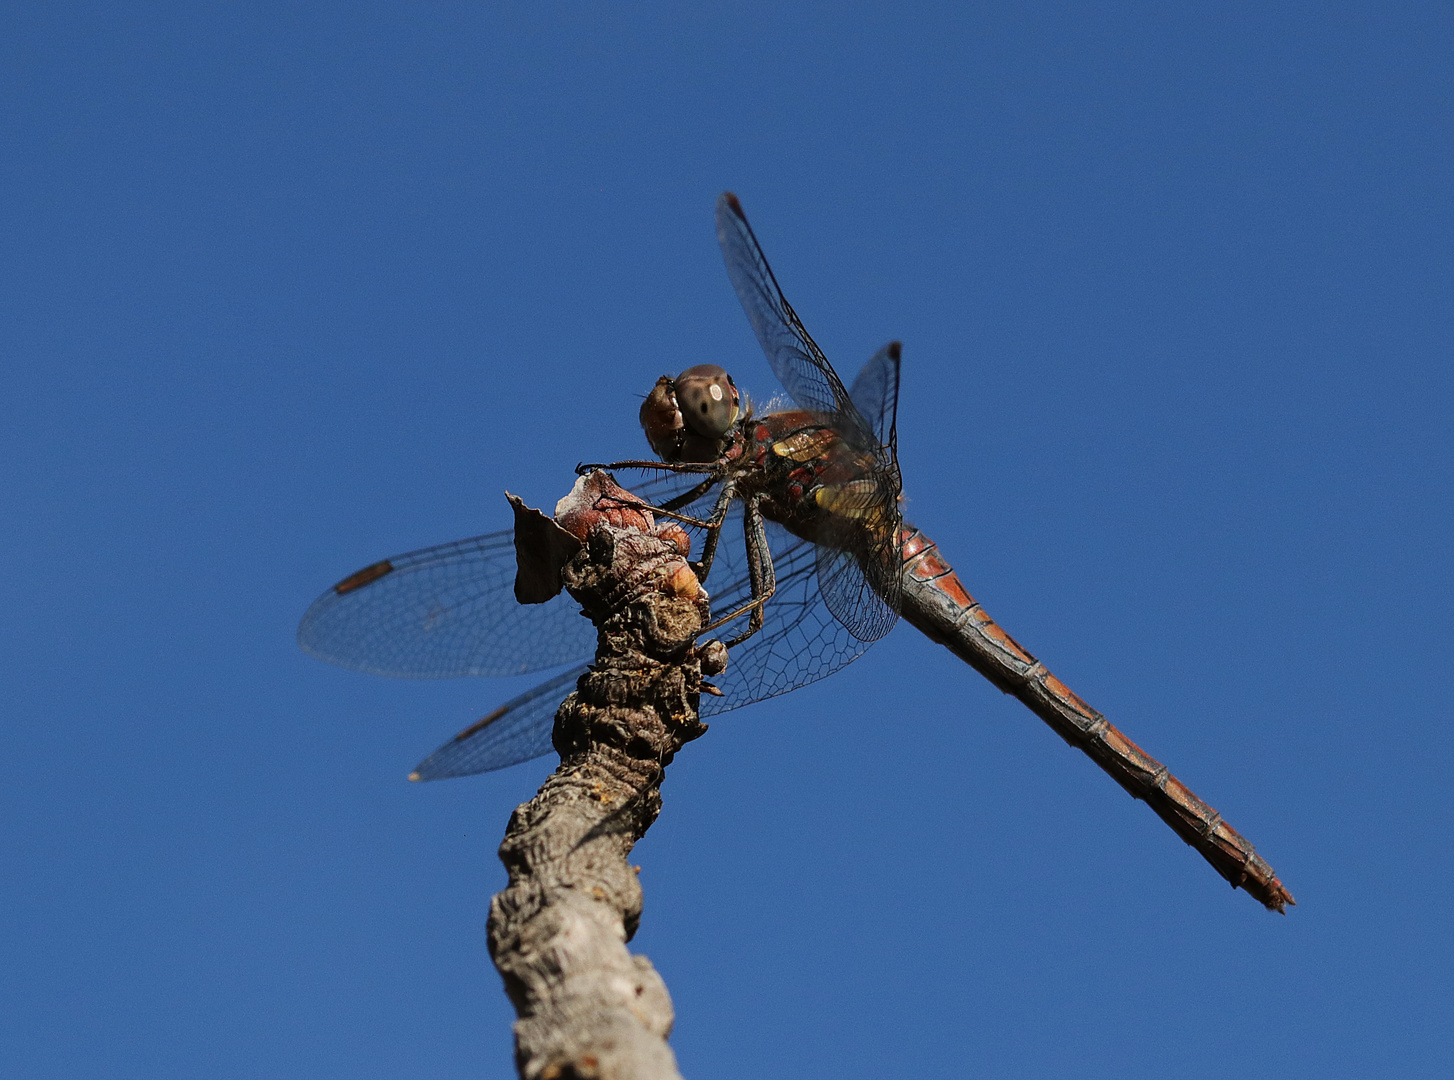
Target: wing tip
x,y
414,777
894,349
729,200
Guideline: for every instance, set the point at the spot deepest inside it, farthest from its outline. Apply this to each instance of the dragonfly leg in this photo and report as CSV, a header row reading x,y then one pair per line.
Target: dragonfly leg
x,y
703,566
714,472
660,466
759,561
712,525
761,575
686,498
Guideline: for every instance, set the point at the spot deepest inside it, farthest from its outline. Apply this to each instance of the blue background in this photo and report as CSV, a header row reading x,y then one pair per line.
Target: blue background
x,y
286,291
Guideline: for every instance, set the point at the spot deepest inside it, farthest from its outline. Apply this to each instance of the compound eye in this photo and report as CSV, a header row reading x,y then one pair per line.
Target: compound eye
x,y
708,400
662,420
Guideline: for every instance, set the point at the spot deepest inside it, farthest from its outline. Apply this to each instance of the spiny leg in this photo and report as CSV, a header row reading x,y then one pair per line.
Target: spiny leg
x,y
761,574
759,557
711,525
703,566
660,466
686,498
667,509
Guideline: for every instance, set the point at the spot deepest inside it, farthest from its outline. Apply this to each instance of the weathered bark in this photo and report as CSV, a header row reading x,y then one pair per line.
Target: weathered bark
x,y
557,933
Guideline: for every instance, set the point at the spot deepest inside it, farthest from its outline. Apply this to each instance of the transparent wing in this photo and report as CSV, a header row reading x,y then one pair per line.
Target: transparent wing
x,y
517,731
876,393
795,357
443,612
854,601
800,642
449,611
859,557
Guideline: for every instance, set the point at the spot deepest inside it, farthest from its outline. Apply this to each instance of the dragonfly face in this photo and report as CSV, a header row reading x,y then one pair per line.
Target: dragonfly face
x,y
691,418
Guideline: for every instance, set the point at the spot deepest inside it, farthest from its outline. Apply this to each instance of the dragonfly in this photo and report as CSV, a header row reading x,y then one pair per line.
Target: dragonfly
x,y
805,553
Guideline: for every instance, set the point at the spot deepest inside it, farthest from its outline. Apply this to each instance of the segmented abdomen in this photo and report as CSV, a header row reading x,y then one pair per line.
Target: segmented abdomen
x,y
937,604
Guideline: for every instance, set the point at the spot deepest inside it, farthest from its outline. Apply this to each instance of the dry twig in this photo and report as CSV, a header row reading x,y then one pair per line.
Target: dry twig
x,y
558,931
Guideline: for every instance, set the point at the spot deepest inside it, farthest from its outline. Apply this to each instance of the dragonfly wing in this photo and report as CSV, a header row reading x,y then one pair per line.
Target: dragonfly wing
x,y
803,638
858,567
876,393
800,641
517,731
858,604
450,610
795,357
443,612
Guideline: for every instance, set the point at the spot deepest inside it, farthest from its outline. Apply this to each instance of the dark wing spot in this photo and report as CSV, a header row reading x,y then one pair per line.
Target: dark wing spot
x,y
363,577
482,723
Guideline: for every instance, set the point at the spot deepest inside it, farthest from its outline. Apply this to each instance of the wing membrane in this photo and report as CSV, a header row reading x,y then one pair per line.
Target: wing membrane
x,y
517,731
449,611
795,357
443,612
800,643
876,393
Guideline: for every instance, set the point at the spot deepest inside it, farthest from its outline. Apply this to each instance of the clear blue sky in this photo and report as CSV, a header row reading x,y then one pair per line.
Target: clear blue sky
x,y
286,291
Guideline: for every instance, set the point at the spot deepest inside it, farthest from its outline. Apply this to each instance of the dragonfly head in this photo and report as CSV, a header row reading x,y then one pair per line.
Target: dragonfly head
x,y
690,418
